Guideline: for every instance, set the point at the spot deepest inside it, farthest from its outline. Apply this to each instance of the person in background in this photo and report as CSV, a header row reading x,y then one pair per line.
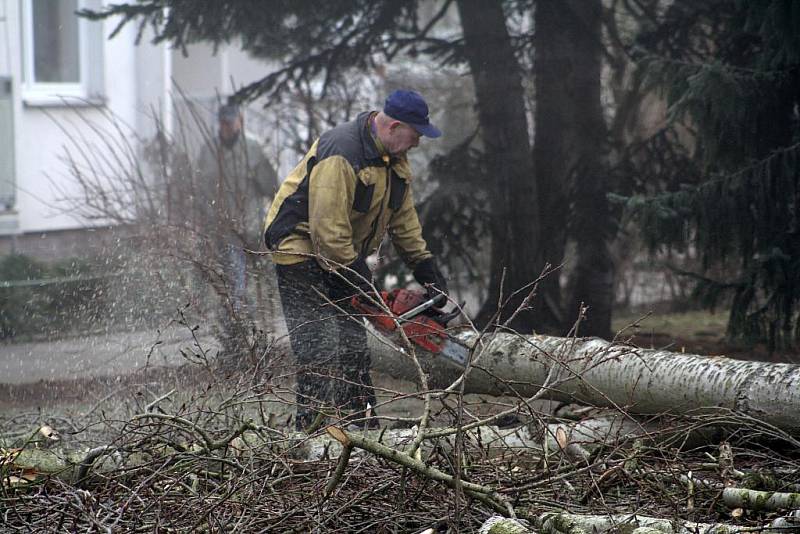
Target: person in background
x,y
237,182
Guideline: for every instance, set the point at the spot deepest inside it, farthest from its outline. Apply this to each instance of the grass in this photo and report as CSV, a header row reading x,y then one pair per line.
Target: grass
x,y
686,325
694,332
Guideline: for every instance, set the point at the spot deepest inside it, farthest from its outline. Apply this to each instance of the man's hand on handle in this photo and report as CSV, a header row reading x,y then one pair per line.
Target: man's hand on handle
x,y
427,273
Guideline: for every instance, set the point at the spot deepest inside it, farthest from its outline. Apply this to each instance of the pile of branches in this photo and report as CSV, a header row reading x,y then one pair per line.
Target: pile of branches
x,y
223,460
221,457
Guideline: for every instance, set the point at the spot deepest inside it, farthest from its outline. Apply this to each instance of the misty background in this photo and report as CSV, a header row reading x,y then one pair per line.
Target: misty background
x,y
628,156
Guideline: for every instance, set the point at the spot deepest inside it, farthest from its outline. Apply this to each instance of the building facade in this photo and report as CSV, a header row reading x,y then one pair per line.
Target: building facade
x,y
61,79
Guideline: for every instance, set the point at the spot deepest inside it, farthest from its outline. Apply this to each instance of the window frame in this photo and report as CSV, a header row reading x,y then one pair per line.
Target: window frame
x,y
53,93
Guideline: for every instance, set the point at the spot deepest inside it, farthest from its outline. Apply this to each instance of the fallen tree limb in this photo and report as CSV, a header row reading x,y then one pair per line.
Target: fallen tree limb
x,y
503,525
567,523
485,494
70,465
760,500
576,439
593,371
750,499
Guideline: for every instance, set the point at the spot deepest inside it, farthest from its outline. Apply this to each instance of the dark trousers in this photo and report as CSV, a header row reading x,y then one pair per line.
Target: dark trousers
x,y
330,344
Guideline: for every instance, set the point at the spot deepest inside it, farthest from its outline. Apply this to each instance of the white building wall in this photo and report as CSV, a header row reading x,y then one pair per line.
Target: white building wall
x,y
203,74
152,71
134,83
131,83
9,66
207,79
200,74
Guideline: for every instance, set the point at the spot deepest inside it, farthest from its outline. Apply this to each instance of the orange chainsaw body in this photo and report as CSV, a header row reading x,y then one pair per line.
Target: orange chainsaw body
x,y
422,329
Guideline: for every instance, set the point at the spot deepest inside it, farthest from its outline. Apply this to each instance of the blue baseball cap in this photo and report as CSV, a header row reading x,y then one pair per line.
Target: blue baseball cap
x,y
409,107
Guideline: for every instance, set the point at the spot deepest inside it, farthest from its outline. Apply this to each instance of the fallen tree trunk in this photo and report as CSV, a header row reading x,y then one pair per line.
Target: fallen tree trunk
x,y
594,371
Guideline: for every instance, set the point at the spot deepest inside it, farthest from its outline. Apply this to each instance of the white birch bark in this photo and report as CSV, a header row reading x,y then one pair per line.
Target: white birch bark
x,y
580,439
503,525
593,371
566,523
760,500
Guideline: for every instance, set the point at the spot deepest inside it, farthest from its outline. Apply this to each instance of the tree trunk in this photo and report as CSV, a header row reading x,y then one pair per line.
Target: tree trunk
x,y
502,525
593,278
593,371
515,223
553,144
569,157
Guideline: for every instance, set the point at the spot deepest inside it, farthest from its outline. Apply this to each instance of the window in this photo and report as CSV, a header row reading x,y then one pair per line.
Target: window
x,y
56,41
57,54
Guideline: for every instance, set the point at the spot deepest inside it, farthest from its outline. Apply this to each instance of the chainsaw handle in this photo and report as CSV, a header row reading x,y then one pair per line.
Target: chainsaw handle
x,y
447,317
419,309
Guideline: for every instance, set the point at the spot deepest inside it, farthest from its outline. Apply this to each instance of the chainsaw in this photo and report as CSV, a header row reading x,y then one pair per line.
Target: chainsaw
x,y
422,321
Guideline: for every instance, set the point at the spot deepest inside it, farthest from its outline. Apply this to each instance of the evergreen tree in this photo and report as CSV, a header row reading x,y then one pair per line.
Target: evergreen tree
x,y
731,72
515,222
570,157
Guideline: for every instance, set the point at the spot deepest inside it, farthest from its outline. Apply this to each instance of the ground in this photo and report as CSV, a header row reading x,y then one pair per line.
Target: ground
x,y
84,369
693,332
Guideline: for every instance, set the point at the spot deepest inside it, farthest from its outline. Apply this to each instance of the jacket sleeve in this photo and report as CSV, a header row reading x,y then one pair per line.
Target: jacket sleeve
x,y
330,197
406,232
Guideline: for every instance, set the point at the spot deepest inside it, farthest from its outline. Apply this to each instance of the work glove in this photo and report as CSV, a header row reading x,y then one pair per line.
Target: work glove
x,y
352,280
429,276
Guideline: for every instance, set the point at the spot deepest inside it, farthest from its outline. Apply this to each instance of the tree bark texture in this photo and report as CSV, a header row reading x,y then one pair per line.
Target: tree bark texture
x,y
760,500
553,143
593,371
591,227
570,158
502,525
515,220
567,523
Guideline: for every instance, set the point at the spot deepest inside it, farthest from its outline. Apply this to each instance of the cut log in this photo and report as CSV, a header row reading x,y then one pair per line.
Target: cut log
x,y
581,438
760,500
566,523
70,465
502,525
596,372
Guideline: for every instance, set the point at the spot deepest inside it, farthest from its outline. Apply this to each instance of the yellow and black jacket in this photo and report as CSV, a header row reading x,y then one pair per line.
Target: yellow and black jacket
x,y
341,199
